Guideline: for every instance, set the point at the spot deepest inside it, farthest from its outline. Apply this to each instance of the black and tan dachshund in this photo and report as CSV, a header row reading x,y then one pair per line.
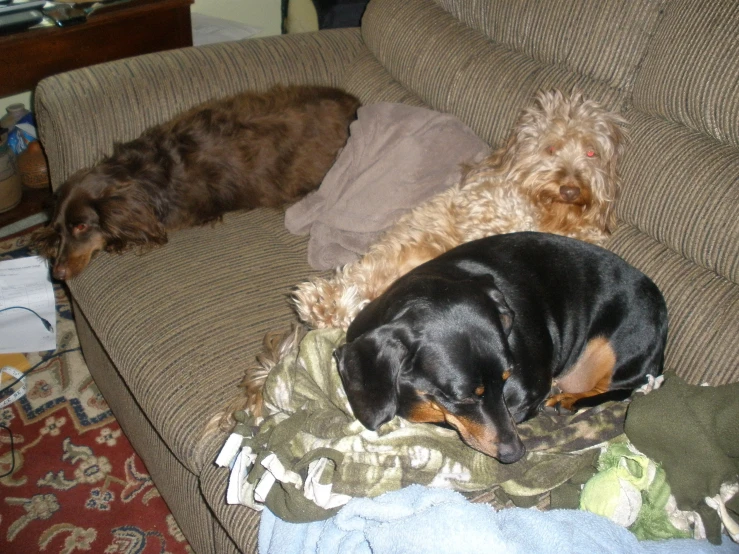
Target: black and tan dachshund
x,y
484,336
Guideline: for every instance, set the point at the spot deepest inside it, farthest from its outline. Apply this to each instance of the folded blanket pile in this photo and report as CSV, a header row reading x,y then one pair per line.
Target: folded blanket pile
x,y
310,455
693,432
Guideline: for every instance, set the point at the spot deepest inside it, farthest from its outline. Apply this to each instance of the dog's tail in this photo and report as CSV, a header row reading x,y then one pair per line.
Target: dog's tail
x,y
275,345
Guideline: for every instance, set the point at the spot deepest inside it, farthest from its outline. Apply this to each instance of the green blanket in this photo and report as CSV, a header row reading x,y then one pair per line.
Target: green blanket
x,y
310,455
693,432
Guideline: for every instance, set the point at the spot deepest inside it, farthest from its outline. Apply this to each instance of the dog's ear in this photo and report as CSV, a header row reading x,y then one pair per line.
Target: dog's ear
x,y
46,241
128,219
504,310
502,158
369,367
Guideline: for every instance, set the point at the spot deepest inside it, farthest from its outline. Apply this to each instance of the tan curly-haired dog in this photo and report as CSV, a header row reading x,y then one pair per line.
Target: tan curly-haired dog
x,y
556,173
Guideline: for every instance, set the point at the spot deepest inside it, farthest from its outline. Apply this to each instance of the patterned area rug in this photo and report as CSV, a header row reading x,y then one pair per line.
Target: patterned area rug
x,y
70,479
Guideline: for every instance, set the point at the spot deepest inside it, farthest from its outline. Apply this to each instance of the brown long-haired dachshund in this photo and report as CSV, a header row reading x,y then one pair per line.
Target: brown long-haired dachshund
x,y
250,150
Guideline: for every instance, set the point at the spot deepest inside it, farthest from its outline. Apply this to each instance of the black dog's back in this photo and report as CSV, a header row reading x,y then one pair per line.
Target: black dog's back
x,y
564,294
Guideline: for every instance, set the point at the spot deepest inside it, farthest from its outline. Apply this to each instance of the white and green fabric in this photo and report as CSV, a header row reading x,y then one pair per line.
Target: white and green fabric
x,y
309,455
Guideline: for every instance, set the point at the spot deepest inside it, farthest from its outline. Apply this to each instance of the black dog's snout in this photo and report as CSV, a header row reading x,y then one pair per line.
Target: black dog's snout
x,y
511,452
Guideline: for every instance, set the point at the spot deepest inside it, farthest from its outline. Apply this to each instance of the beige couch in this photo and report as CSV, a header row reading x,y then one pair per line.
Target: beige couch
x,y
167,335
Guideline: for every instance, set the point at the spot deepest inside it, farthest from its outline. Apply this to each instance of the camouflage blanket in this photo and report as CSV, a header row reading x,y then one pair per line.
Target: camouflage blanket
x,y
309,455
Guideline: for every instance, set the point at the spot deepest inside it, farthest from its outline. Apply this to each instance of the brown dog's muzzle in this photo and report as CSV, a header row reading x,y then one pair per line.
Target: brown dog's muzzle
x,y
69,266
72,259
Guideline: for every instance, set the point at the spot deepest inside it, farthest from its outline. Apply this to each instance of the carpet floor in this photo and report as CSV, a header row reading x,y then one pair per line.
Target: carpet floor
x,y
69,479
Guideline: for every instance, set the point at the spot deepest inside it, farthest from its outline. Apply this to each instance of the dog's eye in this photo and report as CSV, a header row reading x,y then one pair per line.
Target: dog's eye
x,y
81,227
479,391
590,153
551,149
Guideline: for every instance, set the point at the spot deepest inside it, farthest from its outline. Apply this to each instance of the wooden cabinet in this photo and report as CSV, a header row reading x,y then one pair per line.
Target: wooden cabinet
x,y
117,31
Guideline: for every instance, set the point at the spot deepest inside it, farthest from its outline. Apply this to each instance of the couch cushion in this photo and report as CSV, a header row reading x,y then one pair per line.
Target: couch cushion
x,y
371,83
603,40
682,188
681,172
691,74
703,343
182,322
485,73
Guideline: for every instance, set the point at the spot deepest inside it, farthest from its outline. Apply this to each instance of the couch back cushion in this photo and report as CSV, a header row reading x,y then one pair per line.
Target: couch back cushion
x,y
484,61
681,183
683,177
604,40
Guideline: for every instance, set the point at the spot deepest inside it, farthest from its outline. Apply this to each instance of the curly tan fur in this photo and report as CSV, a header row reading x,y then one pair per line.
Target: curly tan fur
x,y
275,345
557,173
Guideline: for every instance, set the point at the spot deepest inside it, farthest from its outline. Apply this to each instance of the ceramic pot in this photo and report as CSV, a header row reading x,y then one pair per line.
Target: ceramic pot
x,y
32,166
11,190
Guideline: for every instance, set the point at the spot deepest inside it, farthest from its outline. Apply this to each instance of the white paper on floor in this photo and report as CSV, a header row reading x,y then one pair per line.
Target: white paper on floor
x,y
27,306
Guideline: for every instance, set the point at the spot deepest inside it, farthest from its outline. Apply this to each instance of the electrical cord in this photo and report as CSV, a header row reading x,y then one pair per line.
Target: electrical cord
x,y
12,451
10,386
26,373
48,328
44,321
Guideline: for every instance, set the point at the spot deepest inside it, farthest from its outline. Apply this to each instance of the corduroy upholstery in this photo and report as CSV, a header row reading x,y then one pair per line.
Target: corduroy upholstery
x,y
166,335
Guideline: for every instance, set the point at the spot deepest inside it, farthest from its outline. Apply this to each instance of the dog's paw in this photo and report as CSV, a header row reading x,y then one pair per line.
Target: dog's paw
x,y
311,303
558,402
325,304
556,409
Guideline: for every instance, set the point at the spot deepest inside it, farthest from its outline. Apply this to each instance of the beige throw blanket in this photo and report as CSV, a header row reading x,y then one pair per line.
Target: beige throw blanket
x,y
396,157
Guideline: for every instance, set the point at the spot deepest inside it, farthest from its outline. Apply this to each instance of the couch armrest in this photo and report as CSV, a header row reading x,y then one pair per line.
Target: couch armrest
x,y
80,114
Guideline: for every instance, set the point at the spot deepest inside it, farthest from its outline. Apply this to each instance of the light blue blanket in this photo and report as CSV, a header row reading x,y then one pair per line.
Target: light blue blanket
x,y
418,519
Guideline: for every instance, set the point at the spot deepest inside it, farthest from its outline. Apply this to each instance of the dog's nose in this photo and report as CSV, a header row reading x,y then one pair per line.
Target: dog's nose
x,y
60,272
511,452
569,193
